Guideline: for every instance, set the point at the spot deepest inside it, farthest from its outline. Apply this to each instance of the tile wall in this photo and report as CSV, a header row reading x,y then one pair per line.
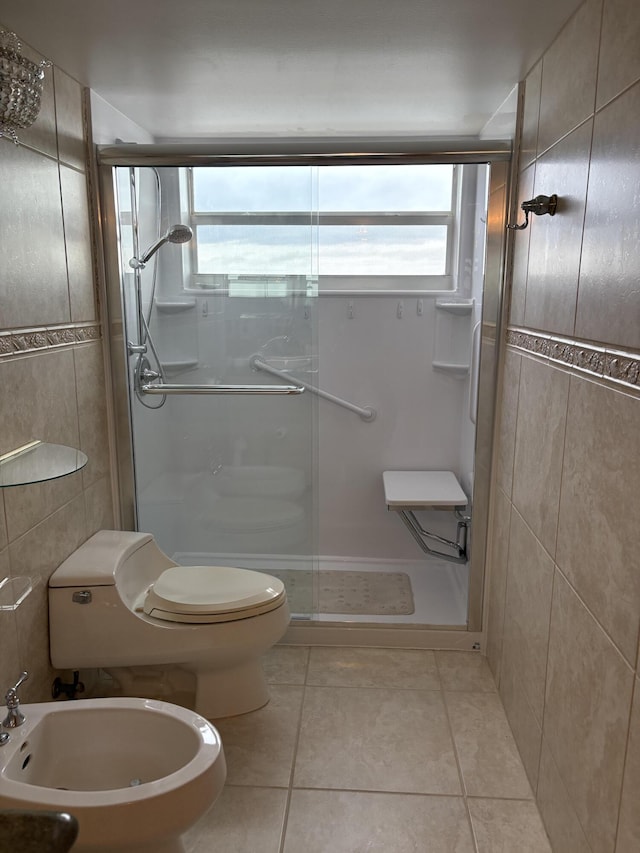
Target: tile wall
x,y
51,365
564,598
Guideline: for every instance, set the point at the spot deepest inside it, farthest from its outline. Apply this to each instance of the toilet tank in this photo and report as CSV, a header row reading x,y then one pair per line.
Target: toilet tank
x,y
108,573
131,561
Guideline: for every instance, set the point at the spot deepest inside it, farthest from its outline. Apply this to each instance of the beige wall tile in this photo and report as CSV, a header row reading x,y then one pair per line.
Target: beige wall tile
x,y
560,820
528,611
508,418
259,747
542,408
498,582
75,210
525,727
45,522
37,554
33,286
9,658
629,826
71,148
521,251
569,75
587,708
556,241
98,502
608,293
599,507
531,116
345,821
381,740
33,645
40,551
3,523
28,505
47,412
92,410
399,668
508,825
619,65
242,820
42,391
487,753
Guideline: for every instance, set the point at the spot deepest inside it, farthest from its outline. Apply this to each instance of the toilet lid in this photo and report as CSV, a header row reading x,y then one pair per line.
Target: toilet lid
x,y
212,593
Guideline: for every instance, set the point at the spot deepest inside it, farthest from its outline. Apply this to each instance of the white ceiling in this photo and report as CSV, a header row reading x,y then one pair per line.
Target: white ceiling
x,y
203,68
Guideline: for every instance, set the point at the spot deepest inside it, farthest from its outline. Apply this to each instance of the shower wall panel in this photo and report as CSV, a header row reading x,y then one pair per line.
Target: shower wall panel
x,y
378,351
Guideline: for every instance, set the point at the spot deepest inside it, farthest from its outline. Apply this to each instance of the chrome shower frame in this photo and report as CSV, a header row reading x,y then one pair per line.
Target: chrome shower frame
x,y
497,155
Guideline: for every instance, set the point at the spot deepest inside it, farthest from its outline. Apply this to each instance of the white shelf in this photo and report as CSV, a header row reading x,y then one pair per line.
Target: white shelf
x,y
460,307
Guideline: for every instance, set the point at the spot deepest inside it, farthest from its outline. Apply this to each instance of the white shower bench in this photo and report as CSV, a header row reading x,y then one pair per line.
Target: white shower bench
x,y
405,492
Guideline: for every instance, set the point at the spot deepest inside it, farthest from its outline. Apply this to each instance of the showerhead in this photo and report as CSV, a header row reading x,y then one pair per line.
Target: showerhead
x,y
175,234
179,234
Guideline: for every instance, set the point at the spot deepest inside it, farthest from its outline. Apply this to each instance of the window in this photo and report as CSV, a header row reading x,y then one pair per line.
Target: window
x,y
272,229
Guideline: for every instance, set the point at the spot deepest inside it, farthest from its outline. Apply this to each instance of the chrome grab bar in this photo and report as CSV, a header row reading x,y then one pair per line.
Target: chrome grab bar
x,y
164,388
365,412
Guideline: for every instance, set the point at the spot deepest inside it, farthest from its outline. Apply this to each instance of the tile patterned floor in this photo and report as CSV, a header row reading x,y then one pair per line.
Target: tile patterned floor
x,y
373,751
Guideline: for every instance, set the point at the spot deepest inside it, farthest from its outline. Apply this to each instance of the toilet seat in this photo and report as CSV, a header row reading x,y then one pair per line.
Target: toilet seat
x,y
210,594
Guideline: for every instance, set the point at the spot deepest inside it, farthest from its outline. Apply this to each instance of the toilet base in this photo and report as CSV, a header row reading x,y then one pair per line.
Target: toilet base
x,y
231,691
219,693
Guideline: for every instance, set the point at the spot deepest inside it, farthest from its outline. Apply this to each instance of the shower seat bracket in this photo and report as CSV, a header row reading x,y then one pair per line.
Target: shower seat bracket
x,y
408,491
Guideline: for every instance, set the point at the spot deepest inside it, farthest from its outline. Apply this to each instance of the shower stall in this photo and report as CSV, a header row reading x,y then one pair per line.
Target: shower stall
x,y
286,327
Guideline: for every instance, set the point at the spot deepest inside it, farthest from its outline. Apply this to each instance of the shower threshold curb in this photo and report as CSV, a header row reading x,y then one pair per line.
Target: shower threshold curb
x,y
316,633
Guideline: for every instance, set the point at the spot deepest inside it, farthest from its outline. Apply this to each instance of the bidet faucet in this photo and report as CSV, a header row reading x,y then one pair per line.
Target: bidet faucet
x,y
14,717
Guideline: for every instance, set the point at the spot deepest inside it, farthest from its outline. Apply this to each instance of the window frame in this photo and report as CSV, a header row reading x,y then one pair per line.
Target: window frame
x,y
328,284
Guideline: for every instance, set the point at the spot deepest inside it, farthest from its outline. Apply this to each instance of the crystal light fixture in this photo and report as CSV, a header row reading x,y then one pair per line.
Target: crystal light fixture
x,y
20,86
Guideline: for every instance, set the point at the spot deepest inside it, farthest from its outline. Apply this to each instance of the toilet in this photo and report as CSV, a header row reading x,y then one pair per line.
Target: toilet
x,y
119,603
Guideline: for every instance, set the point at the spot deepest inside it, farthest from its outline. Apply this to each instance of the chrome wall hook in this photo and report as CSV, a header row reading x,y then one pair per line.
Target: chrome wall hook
x,y
539,205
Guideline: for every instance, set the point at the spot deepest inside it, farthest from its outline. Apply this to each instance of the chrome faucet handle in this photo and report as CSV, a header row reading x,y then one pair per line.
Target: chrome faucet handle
x,y
14,717
11,696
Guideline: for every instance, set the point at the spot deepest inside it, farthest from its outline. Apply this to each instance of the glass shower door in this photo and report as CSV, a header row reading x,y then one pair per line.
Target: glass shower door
x,y
222,478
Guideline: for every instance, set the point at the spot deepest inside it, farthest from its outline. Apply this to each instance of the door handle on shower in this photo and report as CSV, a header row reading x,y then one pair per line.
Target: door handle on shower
x,y
473,377
164,388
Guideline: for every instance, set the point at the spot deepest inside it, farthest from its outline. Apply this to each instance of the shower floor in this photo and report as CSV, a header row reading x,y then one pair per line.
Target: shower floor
x,y
439,588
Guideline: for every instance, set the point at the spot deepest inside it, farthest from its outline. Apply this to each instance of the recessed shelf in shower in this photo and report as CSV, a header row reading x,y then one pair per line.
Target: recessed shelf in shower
x,y
452,340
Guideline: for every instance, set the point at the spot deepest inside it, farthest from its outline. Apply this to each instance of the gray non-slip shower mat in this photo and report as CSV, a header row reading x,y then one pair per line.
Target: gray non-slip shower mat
x,y
345,592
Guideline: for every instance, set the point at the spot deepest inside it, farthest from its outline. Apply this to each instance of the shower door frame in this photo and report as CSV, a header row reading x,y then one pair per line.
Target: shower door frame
x,y
497,155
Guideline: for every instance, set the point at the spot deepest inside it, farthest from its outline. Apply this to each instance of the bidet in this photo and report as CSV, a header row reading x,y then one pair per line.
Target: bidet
x,y
136,773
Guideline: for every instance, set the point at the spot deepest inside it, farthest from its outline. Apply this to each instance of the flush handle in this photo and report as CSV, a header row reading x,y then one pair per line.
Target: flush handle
x,y
82,597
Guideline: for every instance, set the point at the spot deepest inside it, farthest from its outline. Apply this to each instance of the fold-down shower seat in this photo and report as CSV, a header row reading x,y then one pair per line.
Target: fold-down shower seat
x,y
406,492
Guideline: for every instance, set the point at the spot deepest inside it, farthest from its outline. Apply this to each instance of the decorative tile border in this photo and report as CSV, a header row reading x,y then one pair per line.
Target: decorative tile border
x,y
618,366
39,339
